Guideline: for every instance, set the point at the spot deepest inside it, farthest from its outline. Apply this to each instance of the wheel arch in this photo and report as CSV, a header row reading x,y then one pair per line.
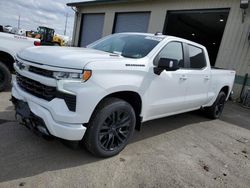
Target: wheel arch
x,y
226,90
133,98
7,59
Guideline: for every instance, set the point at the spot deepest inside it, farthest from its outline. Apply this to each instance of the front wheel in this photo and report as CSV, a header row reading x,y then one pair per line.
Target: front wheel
x,y
5,77
110,128
215,111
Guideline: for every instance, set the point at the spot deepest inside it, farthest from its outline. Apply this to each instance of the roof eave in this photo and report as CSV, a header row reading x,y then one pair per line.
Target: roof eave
x,y
97,2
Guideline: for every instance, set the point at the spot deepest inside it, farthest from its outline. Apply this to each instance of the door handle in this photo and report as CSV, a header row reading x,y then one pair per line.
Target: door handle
x,y
207,78
183,77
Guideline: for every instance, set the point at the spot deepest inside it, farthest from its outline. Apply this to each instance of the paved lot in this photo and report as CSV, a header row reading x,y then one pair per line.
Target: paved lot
x,y
187,150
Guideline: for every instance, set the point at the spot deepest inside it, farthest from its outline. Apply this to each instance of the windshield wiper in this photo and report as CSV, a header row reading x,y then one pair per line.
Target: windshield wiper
x,y
114,53
127,56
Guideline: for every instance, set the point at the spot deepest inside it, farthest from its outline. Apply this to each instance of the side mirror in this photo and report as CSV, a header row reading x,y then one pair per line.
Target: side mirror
x,y
166,64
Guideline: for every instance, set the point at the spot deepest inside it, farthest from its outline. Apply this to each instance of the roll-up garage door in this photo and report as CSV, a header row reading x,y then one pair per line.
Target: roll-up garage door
x,y
131,22
91,28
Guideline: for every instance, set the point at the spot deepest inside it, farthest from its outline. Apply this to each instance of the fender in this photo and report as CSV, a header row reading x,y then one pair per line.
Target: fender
x,y
8,51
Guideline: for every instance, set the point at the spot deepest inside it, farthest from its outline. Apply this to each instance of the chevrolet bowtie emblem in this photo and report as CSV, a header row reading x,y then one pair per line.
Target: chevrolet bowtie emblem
x,y
20,65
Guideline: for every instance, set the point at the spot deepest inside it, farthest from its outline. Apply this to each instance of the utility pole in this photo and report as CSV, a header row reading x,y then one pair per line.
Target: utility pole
x,y
66,22
18,24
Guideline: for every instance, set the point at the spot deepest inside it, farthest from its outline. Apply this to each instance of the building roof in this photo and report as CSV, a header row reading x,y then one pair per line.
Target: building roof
x,y
94,2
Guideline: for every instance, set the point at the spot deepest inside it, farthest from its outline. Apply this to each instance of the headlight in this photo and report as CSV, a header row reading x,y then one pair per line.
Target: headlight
x,y
67,75
84,76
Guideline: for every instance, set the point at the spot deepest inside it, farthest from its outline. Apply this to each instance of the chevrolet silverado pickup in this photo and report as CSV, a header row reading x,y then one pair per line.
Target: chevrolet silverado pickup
x,y
100,94
9,46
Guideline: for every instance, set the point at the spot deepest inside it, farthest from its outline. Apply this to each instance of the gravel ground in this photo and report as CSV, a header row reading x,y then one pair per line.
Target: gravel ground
x,y
186,150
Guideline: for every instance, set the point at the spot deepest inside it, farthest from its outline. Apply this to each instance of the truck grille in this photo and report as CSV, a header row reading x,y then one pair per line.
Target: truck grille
x,y
40,71
45,92
36,88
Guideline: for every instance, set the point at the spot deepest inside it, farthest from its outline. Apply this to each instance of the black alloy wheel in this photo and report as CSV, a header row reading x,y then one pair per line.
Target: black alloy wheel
x,y
114,130
215,111
110,127
220,106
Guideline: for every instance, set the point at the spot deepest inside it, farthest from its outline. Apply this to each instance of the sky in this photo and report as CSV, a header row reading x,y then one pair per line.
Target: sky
x,y
34,13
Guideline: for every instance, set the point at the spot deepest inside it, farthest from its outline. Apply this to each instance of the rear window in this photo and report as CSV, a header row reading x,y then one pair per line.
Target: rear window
x,y
197,57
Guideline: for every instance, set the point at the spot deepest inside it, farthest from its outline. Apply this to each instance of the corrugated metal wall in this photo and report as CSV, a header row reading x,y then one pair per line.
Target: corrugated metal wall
x,y
234,51
235,48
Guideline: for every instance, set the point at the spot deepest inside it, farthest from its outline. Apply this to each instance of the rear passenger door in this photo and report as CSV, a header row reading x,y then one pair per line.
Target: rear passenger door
x,y
198,77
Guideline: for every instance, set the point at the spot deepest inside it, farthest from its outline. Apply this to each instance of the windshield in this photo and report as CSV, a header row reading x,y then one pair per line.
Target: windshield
x,y
127,45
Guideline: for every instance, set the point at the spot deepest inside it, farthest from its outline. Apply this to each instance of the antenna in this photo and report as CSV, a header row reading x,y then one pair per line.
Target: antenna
x,y
158,33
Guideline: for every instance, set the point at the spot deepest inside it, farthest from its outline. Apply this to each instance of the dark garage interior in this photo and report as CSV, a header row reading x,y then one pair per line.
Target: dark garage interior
x,y
202,26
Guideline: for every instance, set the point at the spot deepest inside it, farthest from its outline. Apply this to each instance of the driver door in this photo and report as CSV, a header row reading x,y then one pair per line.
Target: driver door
x,y
166,94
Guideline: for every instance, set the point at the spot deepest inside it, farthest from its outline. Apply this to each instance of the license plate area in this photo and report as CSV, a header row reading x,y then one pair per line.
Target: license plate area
x,y
25,117
23,110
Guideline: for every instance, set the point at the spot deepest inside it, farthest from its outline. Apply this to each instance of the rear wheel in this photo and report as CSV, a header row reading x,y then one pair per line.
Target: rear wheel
x,y
110,127
5,77
215,111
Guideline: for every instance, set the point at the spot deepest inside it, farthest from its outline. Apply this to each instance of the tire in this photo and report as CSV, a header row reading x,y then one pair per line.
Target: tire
x,y
215,111
110,128
5,77
56,44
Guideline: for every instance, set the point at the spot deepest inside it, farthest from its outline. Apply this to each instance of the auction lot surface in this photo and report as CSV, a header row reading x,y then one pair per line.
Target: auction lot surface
x,y
186,150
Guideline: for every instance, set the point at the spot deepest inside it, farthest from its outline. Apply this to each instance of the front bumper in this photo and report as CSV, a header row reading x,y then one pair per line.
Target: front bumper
x,y
60,129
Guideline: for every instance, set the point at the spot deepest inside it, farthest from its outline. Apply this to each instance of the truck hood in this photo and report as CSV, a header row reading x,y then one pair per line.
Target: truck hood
x,y
66,57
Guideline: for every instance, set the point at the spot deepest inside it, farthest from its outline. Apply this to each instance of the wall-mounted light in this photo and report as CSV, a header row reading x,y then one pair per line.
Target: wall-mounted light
x,y
244,5
221,18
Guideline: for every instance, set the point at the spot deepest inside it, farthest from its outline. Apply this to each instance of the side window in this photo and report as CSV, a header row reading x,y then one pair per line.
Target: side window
x,y
172,50
197,57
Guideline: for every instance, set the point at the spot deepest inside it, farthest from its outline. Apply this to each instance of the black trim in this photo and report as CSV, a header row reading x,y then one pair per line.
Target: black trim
x,y
188,56
40,71
47,93
116,13
26,117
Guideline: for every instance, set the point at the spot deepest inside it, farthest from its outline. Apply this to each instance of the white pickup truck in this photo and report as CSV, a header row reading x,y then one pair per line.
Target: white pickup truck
x,y
101,93
9,45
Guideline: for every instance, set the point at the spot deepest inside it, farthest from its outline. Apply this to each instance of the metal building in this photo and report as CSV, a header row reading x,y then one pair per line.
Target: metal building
x,y
223,26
